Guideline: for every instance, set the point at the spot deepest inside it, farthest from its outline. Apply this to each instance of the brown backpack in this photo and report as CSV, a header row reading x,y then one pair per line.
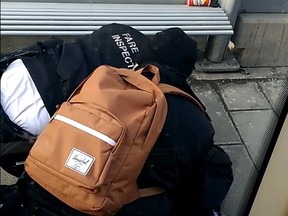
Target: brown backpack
x,y
90,154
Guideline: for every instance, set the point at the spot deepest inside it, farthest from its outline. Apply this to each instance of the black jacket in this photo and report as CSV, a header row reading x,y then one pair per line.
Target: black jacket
x,y
185,138
59,69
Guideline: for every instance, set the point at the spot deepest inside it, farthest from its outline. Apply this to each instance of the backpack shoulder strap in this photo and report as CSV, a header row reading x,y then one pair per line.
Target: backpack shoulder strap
x,y
7,59
144,192
166,88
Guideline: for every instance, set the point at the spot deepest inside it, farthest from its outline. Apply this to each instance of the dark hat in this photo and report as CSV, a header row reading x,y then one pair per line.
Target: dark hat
x,y
172,47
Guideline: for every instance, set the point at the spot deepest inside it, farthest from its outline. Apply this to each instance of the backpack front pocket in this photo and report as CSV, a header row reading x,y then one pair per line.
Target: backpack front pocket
x,y
83,140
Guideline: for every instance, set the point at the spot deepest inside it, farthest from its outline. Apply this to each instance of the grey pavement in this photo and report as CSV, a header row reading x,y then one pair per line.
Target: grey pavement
x,y
244,107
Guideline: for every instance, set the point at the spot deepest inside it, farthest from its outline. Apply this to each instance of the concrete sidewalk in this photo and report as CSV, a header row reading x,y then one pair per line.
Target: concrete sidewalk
x,y
243,107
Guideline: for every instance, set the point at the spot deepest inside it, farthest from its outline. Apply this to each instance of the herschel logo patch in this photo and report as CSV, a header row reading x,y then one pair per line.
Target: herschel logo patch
x,y
79,161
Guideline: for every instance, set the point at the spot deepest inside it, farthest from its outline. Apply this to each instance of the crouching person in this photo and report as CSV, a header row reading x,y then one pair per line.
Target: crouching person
x,y
180,161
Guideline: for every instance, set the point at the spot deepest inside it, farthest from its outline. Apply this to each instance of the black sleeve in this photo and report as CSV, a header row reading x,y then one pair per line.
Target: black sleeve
x,y
185,139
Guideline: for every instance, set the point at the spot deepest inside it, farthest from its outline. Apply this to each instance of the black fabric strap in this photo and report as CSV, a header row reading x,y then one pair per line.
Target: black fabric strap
x,y
9,58
10,130
54,76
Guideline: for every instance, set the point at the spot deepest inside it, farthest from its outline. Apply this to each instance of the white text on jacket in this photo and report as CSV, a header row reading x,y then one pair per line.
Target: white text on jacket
x,y
126,48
